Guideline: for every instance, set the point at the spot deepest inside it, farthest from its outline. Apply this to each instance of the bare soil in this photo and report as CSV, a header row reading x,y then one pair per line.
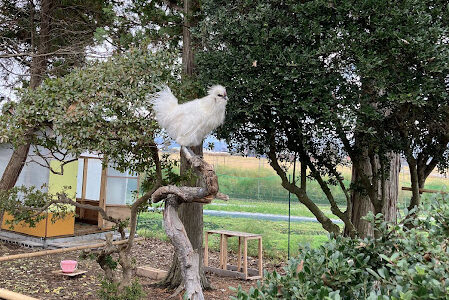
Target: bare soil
x,y
34,277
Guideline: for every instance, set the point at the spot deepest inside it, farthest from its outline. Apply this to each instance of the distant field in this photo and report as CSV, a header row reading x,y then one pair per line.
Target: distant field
x,y
274,234
254,187
265,207
253,178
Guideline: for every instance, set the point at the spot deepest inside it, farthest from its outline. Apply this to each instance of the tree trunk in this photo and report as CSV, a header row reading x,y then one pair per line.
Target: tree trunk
x,y
37,70
190,259
191,215
14,167
187,51
362,203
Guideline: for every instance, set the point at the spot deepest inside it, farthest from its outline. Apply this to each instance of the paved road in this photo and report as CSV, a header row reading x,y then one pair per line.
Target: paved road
x,y
259,216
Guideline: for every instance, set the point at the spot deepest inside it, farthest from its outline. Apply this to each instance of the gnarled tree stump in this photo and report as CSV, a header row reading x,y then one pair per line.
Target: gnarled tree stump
x,y
174,196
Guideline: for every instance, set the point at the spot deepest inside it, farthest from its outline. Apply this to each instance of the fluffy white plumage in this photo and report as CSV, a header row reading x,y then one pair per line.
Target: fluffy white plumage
x,y
190,122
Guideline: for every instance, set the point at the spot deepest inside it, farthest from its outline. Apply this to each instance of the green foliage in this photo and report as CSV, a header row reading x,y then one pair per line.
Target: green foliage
x,y
110,262
73,25
141,22
330,80
111,291
103,108
400,264
274,233
22,202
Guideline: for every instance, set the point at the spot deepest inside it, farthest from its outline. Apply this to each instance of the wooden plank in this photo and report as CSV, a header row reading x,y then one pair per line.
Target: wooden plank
x,y
234,233
206,250
84,187
231,273
254,277
150,272
251,272
62,250
245,257
90,216
118,212
73,274
406,188
221,251
260,258
87,200
8,295
225,252
226,273
102,202
239,258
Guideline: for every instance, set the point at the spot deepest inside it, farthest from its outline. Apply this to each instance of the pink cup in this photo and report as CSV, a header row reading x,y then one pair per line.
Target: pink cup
x,y
68,266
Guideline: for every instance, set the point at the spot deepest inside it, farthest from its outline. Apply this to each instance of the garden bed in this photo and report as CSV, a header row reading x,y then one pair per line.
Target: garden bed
x,y
33,277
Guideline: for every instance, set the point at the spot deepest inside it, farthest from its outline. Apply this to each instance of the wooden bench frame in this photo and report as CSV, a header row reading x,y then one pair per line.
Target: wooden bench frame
x,y
230,270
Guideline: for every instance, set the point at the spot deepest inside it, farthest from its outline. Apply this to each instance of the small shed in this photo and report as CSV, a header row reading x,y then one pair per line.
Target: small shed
x,y
89,183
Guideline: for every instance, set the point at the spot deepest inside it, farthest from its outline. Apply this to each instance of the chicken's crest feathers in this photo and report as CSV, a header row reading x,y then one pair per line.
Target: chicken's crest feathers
x,y
217,90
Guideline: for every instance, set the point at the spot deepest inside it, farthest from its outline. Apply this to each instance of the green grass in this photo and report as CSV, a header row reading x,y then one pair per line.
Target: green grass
x,y
265,185
265,207
253,179
274,234
262,184
253,186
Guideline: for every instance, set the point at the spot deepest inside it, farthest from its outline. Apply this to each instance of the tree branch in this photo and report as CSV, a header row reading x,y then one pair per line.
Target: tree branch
x,y
63,199
301,194
334,207
192,194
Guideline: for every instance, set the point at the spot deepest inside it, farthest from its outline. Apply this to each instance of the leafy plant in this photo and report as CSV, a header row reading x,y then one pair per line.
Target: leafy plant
x,y
400,264
111,291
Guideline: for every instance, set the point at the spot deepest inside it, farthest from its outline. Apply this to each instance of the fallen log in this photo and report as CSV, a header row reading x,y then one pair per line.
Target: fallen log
x,y
62,250
8,295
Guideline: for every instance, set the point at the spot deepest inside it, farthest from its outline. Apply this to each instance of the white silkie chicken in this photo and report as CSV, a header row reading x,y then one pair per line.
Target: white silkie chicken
x,y
189,123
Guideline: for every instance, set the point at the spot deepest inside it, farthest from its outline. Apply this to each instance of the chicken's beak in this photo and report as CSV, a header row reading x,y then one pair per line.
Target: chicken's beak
x,y
226,98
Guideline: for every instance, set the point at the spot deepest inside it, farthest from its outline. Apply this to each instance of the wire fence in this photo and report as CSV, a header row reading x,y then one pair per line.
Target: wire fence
x,y
256,194
253,179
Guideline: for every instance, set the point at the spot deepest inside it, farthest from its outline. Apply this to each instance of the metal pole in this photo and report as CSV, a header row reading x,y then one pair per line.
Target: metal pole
x,y
289,199
289,204
258,183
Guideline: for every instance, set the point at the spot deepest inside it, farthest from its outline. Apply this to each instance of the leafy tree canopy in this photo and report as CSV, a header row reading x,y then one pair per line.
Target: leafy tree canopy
x,y
102,108
72,27
318,69
330,80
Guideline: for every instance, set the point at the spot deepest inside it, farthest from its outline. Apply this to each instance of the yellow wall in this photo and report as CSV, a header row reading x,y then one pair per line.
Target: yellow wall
x,y
67,181
56,184
45,228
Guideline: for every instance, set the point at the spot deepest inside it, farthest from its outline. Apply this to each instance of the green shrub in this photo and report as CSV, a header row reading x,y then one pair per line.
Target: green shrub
x,y
399,264
110,291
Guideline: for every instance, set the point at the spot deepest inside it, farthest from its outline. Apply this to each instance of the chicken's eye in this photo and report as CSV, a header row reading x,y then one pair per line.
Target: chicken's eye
x,y
220,95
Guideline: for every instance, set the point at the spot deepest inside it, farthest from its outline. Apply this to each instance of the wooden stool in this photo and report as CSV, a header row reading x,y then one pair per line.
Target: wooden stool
x,y
230,270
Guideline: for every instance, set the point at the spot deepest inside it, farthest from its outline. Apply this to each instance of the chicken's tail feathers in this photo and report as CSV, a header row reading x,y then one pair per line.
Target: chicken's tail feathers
x,y
163,103
163,98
